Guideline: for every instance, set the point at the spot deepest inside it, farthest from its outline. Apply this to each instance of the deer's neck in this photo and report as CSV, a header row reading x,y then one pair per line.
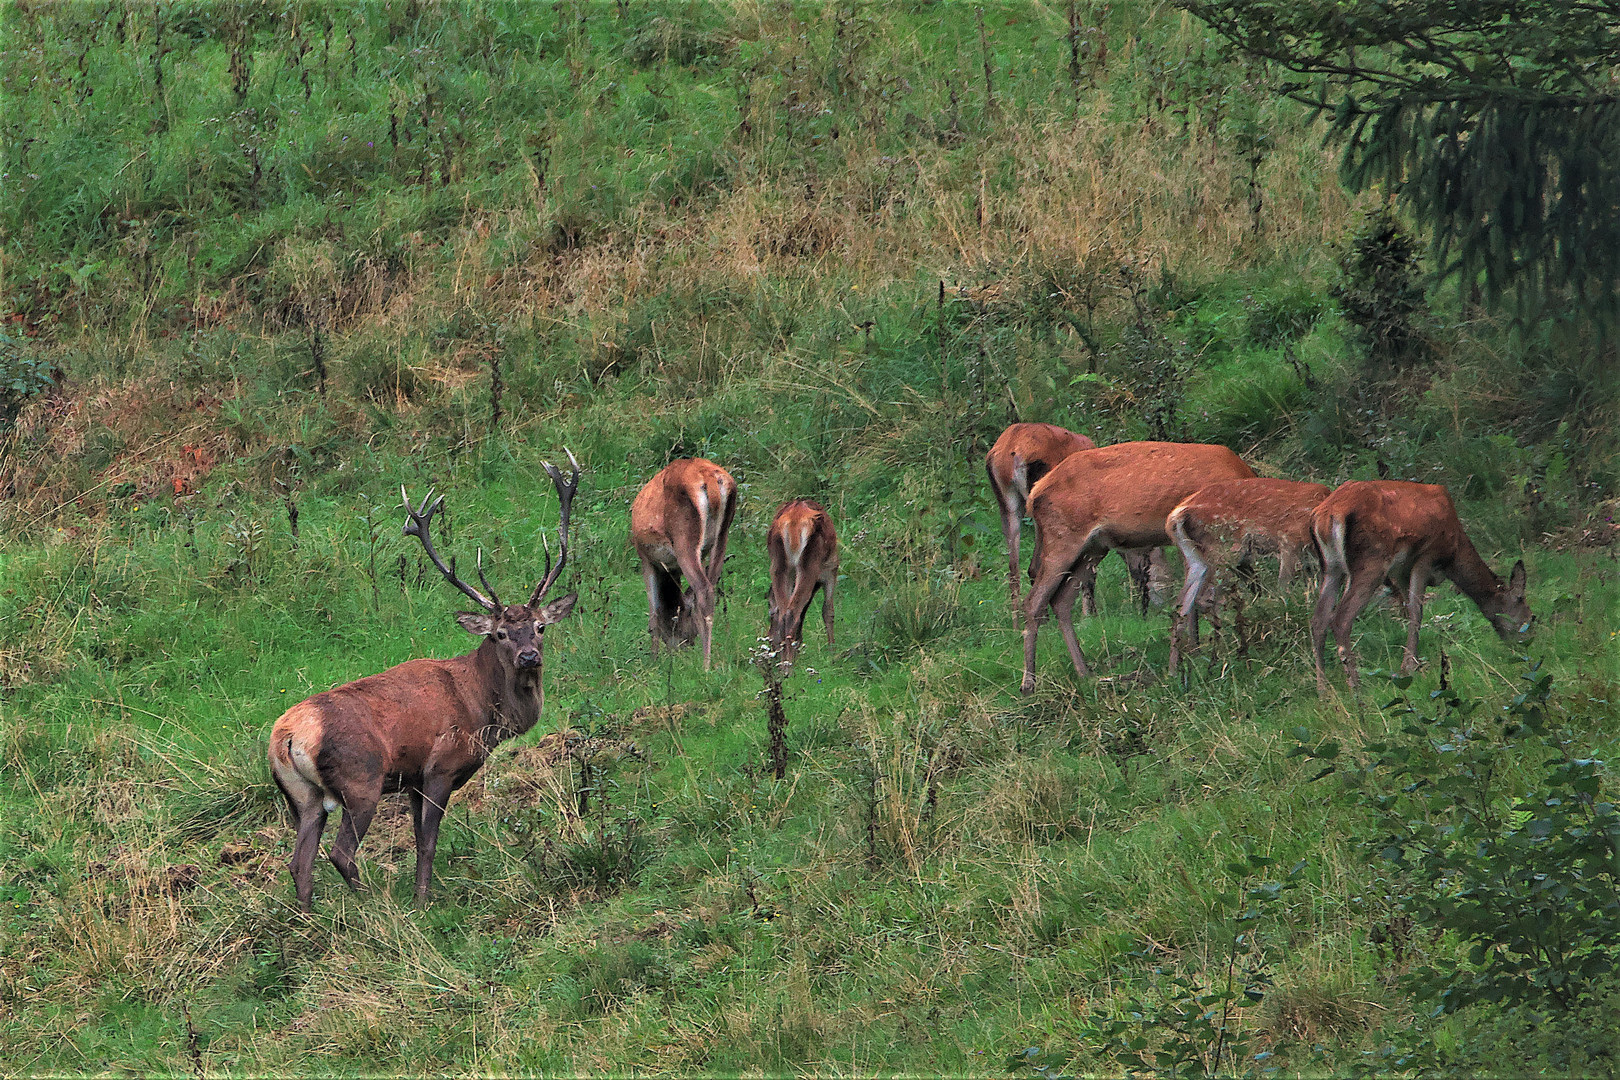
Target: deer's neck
x,y
513,696
1471,575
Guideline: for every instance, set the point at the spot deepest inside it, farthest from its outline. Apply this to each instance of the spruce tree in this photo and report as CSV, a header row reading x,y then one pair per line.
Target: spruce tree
x,y
1495,123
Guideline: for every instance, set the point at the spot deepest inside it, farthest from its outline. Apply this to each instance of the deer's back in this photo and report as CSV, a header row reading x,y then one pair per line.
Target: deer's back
x,y
685,494
1279,508
1138,481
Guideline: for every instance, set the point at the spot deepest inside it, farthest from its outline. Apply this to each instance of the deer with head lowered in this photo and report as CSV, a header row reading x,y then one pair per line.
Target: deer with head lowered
x,y
1021,456
1372,532
423,727
679,523
804,557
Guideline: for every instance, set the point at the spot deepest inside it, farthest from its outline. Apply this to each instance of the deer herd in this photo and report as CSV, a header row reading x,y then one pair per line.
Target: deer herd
x,y
426,726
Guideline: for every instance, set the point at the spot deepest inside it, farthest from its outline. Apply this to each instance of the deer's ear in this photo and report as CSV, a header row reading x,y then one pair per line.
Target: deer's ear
x,y
476,623
1516,579
557,610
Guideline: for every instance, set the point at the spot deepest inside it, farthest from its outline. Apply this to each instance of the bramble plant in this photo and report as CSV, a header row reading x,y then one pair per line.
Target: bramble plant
x,y
1189,1025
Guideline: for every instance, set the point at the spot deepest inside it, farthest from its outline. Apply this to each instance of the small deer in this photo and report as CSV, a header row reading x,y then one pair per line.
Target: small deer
x,y
1100,500
1369,532
1021,456
1234,521
804,557
679,523
423,727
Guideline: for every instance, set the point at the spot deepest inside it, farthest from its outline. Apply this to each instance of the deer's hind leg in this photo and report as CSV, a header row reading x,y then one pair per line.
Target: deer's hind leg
x,y
1063,608
1417,584
309,814
359,807
1365,582
829,578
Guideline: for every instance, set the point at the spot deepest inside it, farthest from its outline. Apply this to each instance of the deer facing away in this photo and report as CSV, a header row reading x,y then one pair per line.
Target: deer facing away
x,y
423,727
1021,456
1369,532
679,523
803,547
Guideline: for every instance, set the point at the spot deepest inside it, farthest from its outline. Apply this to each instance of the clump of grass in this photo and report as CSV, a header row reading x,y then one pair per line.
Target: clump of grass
x,y
916,614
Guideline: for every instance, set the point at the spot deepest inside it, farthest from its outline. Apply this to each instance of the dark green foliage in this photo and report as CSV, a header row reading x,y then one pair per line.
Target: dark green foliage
x,y
1576,1041
1528,878
1495,124
1381,294
23,375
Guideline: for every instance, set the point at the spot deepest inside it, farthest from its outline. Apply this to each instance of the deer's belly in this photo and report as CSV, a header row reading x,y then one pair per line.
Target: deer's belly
x,y
663,557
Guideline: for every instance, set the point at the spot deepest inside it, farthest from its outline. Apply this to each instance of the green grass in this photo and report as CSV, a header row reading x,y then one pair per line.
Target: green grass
x,y
949,873
842,918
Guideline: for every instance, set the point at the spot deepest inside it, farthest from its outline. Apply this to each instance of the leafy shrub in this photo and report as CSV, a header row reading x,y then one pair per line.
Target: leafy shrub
x,y
1528,878
1381,294
1577,1041
1188,1026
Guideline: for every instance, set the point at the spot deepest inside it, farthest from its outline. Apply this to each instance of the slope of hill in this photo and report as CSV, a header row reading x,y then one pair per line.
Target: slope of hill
x,y
264,263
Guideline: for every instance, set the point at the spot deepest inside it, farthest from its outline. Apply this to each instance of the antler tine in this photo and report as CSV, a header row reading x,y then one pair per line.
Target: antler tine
x,y
420,526
565,497
493,599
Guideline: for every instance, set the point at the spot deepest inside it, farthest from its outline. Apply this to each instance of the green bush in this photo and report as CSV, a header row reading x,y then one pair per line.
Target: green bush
x,y
1501,831
1381,295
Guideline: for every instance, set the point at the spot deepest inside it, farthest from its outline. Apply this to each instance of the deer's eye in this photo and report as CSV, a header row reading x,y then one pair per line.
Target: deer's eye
x,y
501,634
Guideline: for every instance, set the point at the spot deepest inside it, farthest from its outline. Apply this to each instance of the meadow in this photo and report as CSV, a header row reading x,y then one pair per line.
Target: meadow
x,y
265,263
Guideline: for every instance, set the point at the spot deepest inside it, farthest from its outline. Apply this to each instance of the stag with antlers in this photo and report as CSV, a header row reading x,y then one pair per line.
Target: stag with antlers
x,y
423,727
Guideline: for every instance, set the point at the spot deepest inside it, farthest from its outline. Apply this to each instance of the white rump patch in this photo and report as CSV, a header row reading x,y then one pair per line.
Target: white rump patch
x,y
796,553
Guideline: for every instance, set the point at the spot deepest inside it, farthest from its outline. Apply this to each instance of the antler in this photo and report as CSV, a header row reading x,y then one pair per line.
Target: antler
x,y
419,526
565,496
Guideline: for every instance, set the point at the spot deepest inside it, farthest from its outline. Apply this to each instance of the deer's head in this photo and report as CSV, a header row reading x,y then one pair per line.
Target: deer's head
x,y
1507,608
515,630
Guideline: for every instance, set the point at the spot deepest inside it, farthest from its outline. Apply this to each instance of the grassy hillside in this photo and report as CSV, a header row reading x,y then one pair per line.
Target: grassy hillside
x,y
264,263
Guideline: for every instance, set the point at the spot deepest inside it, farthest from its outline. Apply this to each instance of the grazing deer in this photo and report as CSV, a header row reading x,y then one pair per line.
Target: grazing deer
x,y
425,726
804,557
679,524
1099,500
1236,520
1369,532
1022,455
